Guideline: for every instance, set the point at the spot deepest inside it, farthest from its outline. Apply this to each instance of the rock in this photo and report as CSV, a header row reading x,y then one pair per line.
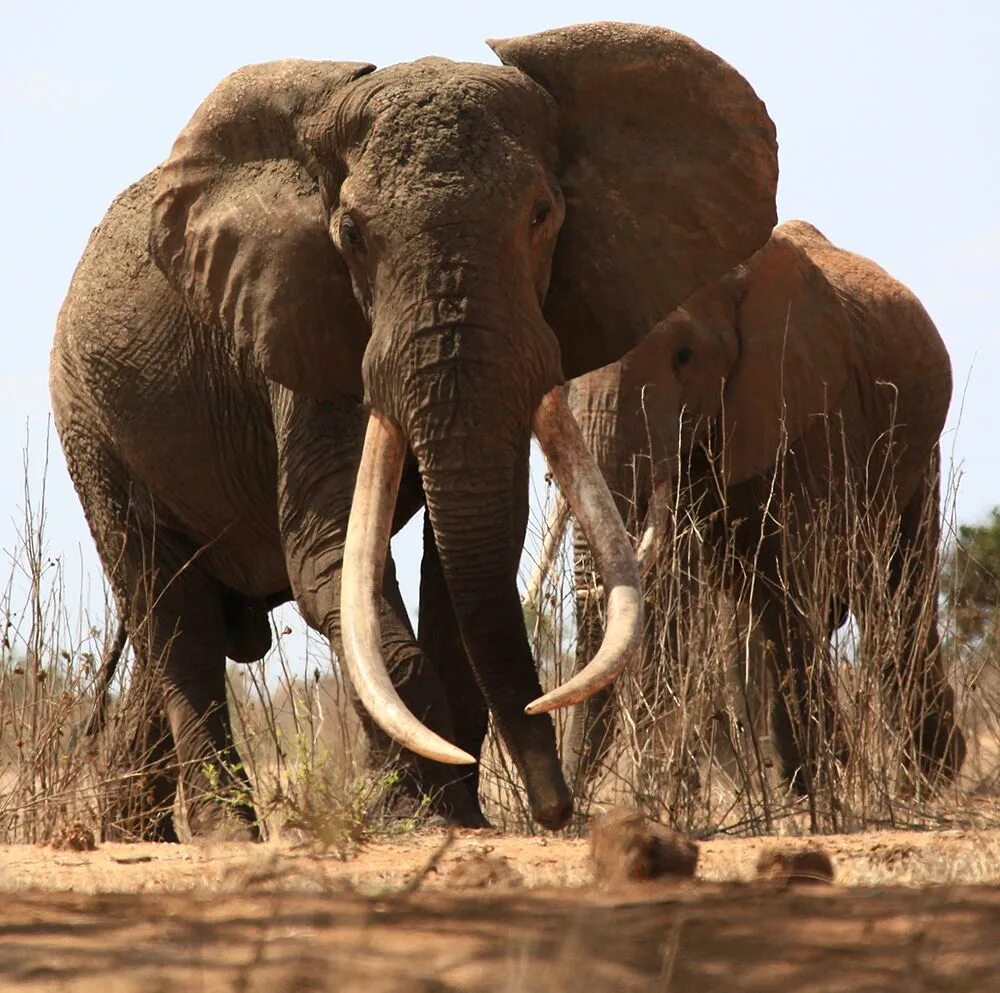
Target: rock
x,y
795,865
479,871
625,846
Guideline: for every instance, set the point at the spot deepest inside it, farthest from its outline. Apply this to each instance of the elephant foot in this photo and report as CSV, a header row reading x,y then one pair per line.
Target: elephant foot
x,y
473,819
132,828
805,780
141,809
163,830
807,770
940,749
459,823
449,804
213,822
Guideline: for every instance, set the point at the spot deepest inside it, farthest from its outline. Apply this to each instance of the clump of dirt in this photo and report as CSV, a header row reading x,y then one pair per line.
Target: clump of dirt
x,y
482,870
892,854
74,837
803,865
625,846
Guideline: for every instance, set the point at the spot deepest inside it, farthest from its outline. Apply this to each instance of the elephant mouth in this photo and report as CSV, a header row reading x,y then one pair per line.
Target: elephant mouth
x,y
367,542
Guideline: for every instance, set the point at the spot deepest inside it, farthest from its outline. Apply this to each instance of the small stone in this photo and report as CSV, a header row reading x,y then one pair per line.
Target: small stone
x,y
74,837
625,846
795,865
478,872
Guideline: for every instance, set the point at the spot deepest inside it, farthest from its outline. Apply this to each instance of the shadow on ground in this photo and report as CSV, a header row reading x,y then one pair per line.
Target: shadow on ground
x,y
676,937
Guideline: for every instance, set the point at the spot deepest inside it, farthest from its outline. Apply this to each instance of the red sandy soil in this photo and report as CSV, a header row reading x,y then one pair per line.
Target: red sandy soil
x,y
908,911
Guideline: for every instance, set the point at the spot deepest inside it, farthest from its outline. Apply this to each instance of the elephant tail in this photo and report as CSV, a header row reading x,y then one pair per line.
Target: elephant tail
x,y
109,666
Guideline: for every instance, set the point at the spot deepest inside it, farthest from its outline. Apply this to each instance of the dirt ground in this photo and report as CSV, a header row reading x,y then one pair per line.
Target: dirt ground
x,y
908,911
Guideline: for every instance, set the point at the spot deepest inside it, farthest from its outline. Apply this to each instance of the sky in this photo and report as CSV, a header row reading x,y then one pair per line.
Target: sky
x,y
885,109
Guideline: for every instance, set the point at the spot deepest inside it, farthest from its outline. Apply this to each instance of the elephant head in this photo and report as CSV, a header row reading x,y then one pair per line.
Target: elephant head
x,y
811,375
450,241
745,367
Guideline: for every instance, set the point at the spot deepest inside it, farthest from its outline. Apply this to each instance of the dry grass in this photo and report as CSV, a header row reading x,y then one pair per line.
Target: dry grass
x,y
692,747
298,735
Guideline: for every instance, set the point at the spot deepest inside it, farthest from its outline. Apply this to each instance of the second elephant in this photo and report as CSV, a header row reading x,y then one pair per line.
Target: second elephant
x,y
800,401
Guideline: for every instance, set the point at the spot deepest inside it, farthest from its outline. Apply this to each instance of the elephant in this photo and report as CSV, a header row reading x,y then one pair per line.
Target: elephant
x,y
799,398
350,293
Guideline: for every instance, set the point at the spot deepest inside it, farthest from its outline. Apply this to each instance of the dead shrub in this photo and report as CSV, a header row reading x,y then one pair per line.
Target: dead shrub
x,y
691,747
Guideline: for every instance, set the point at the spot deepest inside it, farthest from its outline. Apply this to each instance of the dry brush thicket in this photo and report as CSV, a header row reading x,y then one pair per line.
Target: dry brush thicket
x,y
691,746
691,743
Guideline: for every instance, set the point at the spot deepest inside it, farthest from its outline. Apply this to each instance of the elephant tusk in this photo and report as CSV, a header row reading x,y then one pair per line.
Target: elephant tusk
x,y
555,528
657,515
587,493
368,533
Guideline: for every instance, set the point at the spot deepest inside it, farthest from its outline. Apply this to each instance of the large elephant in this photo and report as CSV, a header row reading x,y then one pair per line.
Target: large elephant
x,y
798,400
344,273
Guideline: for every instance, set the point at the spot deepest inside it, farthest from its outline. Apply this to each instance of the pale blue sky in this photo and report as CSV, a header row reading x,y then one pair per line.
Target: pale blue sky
x,y
886,115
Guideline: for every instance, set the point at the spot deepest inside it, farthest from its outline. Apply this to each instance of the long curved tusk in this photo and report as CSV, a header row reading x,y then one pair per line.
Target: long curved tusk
x,y
657,515
588,495
368,533
555,528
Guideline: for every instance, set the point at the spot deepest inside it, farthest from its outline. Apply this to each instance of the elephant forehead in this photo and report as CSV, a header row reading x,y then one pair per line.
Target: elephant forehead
x,y
444,125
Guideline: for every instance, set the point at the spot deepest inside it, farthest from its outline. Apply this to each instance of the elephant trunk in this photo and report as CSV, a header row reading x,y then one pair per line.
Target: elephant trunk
x,y
478,524
474,466
634,446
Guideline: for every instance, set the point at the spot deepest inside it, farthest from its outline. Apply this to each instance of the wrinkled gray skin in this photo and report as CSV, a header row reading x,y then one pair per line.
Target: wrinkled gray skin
x,y
847,357
433,241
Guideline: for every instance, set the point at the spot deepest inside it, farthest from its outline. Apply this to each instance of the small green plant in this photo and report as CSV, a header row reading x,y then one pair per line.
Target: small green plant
x,y
343,816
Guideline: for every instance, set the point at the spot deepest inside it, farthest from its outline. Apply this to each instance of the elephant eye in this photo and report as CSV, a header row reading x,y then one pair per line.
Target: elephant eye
x,y
684,355
350,234
543,210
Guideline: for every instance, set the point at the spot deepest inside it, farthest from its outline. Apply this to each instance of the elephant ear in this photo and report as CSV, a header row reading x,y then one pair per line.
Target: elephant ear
x,y
796,352
239,228
669,168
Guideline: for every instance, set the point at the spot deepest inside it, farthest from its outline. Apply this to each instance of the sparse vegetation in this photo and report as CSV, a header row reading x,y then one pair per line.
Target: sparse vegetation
x,y
691,745
691,749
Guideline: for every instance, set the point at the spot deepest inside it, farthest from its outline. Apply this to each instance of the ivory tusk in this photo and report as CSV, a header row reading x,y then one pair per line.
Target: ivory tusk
x,y
365,549
587,494
657,516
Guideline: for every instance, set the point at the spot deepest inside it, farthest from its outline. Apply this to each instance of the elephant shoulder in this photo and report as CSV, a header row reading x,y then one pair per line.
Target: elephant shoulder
x,y
890,326
122,327
899,363
869,291
793,308
115,278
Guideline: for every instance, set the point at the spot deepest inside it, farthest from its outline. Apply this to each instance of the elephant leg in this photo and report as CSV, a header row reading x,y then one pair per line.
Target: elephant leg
x,y
803,725
141,800
441,640
178,705
180,644
176,621
144,801
420,687
588,738
915,686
